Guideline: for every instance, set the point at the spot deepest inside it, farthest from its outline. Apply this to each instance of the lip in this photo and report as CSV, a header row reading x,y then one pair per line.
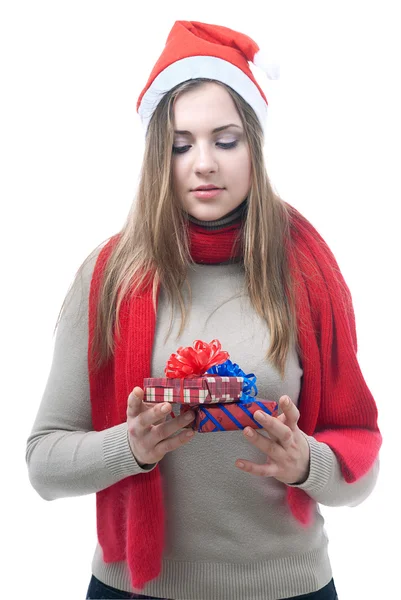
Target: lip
x,y
209,186
207,193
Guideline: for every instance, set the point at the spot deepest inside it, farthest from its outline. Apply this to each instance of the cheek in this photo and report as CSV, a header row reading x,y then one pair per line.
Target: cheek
x,y
175,173
242,170
249,175
248,169
178,173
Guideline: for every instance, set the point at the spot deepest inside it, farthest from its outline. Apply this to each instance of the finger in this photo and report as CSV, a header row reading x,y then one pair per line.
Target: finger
x,y
265,470
267,434
135,406
171,427
273,449
282,418
280,433
154,415
172,443
134,402
290,411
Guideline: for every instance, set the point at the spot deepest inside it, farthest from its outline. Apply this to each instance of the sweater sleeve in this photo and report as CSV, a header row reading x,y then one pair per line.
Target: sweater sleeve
x,y
325,482
64,455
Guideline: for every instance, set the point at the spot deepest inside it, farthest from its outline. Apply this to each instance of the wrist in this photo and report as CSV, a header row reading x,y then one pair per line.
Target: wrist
x,y
138,462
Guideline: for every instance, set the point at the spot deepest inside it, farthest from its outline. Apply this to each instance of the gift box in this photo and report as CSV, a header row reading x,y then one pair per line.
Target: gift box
x,y
207,389
203,379
229,417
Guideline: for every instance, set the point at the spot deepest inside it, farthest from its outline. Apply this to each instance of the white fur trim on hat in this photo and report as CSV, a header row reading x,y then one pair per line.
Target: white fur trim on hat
x,y
201,66
270,67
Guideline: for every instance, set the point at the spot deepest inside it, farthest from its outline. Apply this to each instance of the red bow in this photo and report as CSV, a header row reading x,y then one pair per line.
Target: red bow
x,y
194,362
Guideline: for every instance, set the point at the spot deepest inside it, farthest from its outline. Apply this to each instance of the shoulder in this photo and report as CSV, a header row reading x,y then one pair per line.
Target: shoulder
x,y
303,232
101,255
316,272
75,305
310,252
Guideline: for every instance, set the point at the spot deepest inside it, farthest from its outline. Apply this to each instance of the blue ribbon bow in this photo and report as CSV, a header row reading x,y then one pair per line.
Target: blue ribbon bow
x,y
230,369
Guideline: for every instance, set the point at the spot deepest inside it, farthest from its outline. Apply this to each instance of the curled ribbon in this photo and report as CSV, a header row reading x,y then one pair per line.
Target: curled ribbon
x,y
229,369
195,361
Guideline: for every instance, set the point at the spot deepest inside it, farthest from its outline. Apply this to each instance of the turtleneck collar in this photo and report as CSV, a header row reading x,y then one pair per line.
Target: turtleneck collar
x,y
218,241
228,219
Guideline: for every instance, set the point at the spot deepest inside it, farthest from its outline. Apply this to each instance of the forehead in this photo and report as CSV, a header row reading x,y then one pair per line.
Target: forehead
x,y
207,105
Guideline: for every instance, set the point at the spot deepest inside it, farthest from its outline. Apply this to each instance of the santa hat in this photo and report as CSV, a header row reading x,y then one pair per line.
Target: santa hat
x,y
195,50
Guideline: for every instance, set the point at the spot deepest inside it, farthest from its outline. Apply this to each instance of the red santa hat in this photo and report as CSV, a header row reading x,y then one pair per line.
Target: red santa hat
x,y
195,50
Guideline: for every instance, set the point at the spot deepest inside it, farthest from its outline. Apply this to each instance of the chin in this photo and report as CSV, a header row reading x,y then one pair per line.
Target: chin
x,y
207,213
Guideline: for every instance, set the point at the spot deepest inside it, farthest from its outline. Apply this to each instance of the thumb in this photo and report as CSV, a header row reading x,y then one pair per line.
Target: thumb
x,y
138,392
135,405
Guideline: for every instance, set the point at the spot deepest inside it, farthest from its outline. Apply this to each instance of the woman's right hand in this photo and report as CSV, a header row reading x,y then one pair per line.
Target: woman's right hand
x,y
149,433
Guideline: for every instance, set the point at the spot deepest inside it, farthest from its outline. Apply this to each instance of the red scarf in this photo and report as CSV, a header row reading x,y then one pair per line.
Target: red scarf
x,y
335,403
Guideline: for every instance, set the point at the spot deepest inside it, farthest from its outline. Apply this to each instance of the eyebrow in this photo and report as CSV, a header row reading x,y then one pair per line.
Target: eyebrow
x,y
184,132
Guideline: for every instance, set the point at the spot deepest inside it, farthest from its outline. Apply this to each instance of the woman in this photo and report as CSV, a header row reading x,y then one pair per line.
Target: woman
x,y
207,251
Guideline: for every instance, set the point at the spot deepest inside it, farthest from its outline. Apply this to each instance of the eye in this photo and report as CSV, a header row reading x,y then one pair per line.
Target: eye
x,y
224,146
180,149
227,145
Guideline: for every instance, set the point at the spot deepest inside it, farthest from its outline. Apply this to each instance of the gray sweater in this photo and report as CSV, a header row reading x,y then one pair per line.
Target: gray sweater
x,y
230,535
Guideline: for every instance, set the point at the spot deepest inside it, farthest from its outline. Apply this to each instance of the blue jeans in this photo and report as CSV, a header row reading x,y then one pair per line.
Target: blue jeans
x,y
100,591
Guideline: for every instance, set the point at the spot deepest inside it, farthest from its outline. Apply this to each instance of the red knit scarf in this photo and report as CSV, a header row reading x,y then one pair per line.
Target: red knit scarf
x,y
335,403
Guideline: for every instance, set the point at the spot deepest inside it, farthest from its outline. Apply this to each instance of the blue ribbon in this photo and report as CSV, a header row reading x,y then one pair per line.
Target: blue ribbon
x,y
249,391
208,416
230,369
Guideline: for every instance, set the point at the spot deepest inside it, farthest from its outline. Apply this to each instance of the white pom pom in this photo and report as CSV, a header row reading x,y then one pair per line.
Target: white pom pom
x,y
270,67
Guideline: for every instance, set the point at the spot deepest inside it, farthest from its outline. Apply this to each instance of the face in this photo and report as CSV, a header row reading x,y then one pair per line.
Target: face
x,y
210,150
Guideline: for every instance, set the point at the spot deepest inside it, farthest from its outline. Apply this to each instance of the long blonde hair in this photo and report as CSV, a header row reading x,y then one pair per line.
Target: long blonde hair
x,y
154,239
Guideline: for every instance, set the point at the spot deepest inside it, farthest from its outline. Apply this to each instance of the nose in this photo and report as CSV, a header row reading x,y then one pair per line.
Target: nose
x,y
204,160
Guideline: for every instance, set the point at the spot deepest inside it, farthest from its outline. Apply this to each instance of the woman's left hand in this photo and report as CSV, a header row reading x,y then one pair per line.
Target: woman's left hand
x,y
287,449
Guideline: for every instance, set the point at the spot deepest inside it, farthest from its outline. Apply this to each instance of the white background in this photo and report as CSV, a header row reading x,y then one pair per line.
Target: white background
x,y
71,146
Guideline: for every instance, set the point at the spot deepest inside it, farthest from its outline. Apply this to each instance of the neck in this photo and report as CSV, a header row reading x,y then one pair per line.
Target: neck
x,y
218,241
234,216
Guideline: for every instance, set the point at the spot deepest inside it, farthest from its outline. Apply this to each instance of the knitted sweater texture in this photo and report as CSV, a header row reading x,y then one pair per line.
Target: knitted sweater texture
x,y
335,403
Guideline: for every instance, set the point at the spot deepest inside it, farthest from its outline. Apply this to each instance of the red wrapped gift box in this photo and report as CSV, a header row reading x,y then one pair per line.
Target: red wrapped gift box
x,y
208,389
230,416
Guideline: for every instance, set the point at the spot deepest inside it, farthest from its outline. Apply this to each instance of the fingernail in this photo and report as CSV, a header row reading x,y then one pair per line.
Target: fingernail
x,y
249,432
260,415
190,434
240,464
188,416
165,408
